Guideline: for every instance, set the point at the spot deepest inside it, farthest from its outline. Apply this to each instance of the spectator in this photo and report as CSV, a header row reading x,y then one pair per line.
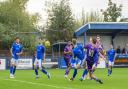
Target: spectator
x,y
127,48
118,50
124,51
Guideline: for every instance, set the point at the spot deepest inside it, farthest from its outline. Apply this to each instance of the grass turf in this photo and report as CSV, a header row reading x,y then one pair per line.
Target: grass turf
x,y
25,79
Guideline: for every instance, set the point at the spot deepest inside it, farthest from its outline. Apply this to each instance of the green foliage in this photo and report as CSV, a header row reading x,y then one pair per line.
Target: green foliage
x,y
93,16
14,20
60,23
112,13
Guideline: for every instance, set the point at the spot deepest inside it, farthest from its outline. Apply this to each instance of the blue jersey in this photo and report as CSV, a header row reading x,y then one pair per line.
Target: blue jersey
x,y
111,55
16,48
92,53
40,50
78,52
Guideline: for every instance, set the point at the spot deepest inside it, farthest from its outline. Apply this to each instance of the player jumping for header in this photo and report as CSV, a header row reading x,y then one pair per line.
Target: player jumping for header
x,y
78,54
92,55
39,58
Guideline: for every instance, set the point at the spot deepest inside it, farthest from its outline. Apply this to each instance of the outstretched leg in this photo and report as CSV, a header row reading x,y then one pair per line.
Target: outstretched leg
x,y
92,76
36,71
75,72
85,72
45,72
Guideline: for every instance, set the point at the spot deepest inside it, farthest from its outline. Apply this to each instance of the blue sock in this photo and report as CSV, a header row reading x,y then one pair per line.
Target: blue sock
x,y
36,71
85,73
75,73
44,71
110,71
11,69
14,69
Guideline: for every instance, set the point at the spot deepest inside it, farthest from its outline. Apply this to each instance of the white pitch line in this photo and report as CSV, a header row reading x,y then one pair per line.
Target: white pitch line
x,y
39,84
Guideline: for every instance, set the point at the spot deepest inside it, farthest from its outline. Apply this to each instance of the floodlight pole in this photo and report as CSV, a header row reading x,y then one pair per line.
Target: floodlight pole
x,y
84,38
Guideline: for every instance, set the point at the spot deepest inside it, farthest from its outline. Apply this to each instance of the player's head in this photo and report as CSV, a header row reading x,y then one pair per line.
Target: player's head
x,y
69,42
40,40
74,41
94,41
98,38
17,40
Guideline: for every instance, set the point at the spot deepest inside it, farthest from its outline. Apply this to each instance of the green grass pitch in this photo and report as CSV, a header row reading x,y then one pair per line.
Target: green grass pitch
x,y
25,79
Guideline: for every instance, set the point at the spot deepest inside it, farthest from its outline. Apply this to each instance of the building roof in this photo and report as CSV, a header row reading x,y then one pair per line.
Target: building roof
x,y
59,43
103,28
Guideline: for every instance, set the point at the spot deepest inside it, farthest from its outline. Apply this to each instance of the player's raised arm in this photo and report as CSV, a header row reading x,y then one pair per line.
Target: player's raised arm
x,y
102,55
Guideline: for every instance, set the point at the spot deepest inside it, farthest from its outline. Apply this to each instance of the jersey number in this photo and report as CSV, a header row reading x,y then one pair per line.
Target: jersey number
x,y
91,53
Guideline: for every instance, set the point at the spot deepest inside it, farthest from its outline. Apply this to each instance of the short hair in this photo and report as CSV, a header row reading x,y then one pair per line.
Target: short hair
x,y
17,38
40,38
94,40
69,42
98,36
74,41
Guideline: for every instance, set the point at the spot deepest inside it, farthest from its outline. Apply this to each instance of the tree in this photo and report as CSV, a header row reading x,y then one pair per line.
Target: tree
x,y
112,13
14,21
93,16
60,23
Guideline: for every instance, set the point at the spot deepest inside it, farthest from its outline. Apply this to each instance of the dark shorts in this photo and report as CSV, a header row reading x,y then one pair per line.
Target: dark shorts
x,y
89,65
68,62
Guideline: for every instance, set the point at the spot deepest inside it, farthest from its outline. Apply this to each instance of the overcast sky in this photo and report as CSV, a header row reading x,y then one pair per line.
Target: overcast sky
x,y
37,6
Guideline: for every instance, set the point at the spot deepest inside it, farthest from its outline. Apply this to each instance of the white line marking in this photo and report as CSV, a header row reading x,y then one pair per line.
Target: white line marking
x,y
39,84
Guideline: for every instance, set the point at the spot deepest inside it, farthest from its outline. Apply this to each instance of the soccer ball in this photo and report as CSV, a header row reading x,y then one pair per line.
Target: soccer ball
x,y
47,44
